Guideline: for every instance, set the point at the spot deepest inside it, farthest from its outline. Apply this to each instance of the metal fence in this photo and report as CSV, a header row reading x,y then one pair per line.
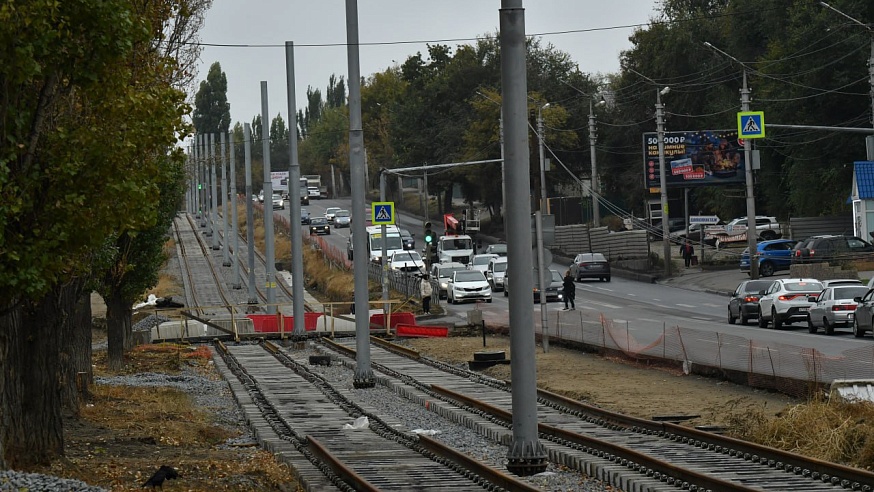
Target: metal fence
x,y
790,369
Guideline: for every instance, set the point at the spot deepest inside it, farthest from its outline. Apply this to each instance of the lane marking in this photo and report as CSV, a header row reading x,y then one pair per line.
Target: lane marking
x,y
686,305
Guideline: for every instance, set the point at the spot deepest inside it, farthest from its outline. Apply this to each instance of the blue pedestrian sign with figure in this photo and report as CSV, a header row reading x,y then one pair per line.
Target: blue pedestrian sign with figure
x,y
383,213
751,124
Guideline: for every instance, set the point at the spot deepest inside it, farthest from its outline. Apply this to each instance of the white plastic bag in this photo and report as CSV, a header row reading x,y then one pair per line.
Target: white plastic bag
x,y
360,423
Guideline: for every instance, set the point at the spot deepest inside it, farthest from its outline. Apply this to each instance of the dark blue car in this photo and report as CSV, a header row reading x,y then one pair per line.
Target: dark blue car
x,y
774,256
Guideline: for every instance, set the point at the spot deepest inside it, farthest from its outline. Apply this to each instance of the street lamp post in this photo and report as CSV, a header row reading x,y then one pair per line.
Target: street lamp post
x,y
663,180
593,139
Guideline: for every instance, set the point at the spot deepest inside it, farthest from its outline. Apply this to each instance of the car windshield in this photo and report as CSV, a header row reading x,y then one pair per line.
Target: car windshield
x,y
850,292
454,244
469,276
498,248
500,266
342,213
447,272
391,242
756,285
481,260
304,212
319,221
407,256
331,210
556,277
802,286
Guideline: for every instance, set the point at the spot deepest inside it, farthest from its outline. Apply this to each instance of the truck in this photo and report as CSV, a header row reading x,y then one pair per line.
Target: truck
x,y
393,243
314,181
454,246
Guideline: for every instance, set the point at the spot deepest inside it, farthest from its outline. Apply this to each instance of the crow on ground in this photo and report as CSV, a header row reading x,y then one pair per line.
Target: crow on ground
x,y
163,473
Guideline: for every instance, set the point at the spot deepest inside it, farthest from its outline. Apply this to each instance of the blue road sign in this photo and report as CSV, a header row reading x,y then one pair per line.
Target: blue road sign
x,y
751,124
383,213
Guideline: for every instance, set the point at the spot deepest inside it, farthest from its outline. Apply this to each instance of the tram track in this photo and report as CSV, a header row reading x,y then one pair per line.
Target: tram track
x,y
650,452
380,457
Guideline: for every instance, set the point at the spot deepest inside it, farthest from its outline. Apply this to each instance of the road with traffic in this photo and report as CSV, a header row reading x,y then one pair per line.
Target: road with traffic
x,y
691,299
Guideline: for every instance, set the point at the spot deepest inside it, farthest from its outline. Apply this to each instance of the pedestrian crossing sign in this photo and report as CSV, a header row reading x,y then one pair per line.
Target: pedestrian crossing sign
x,y
751,124
383,213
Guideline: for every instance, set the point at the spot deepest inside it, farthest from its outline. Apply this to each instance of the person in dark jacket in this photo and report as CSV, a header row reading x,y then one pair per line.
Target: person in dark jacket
x,y
687,252
570,290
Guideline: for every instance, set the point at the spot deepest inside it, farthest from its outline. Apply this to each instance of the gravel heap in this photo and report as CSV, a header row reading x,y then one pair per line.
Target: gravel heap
x,y
34,482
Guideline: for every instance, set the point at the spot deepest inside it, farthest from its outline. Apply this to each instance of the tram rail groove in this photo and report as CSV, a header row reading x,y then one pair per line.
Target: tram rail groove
x,y
783,466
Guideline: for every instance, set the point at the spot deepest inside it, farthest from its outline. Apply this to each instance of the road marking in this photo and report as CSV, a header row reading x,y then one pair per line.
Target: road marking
x,y
686,305
651,320
632,295
611,306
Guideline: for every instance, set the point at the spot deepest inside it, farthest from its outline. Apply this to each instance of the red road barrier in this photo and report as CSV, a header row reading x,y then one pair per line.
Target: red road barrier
x,y
269,323
405,330
377,321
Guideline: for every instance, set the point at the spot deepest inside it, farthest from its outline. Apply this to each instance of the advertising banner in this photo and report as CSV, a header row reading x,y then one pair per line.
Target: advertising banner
x,y
698,158
279,181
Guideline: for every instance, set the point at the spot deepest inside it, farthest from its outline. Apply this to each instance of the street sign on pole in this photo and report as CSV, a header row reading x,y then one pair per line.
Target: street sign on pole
x,y
383,213
703,219
751,124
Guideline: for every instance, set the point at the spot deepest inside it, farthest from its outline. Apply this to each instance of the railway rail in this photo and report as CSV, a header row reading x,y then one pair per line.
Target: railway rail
x,y
665,452
303,413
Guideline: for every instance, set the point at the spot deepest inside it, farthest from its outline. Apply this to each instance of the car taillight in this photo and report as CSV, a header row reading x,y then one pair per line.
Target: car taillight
x,y
751,299
790,297
844,307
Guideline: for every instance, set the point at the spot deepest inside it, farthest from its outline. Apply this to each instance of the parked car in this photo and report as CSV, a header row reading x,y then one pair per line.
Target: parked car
x,y
863,316
818,249
767,228
441,272
466,285
833,307
319,225
481,262
695,233
787,300
330,212
499,249
304,216
774,256
407,261
496,271
590,265
744,302
342,218
278,202
408,238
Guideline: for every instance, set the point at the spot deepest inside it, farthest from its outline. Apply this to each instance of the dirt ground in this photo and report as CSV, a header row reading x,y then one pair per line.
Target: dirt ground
x,y
618,385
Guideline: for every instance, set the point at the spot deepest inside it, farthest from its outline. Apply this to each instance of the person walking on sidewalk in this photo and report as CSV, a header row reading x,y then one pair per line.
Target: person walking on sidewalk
x,y
426,291
687,252
570,290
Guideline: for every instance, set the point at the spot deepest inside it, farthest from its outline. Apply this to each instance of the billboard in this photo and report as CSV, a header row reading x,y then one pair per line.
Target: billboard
x,y
698,158
279,181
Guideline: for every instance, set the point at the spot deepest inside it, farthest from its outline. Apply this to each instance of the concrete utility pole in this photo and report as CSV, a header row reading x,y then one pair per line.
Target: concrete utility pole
x,y
234,223
596,186
214,189
250,219
383,268
270,252
751,200
294,199
526,455
538,226
663,180
363,377
223,148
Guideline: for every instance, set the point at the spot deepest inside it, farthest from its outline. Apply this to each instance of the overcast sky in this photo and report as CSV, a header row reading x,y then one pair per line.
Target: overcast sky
x,y
258,29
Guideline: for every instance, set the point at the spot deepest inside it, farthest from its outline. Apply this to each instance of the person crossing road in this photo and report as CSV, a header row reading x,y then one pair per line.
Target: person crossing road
x,y
569,290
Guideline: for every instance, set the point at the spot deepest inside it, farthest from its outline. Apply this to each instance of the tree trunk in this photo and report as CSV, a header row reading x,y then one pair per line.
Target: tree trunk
x,y
118,321
76,351
30,398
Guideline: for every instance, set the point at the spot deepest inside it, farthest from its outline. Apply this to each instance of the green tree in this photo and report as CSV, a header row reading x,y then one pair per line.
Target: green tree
x,y
212,112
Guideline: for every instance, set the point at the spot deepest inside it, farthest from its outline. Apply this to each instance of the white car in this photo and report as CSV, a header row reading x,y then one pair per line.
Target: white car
x,y
787,300
496,272
834,307
481,262
330,213
467,285
314,192
407,261
278,202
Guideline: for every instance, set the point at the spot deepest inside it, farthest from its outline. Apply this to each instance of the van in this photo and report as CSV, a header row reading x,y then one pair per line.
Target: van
x,y
496,272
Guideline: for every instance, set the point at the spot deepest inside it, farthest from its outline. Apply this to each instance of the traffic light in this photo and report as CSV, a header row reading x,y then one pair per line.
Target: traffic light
x,y
429,234
199,186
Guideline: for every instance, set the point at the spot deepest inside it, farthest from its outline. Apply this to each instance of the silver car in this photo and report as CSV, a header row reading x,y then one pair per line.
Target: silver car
x,y
834,307
342,218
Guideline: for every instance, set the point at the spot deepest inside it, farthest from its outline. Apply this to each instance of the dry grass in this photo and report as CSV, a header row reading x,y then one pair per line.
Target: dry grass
x,y
832,430
125,433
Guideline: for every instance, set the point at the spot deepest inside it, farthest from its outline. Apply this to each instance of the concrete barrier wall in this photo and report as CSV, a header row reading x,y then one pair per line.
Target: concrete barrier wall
x,y
574,239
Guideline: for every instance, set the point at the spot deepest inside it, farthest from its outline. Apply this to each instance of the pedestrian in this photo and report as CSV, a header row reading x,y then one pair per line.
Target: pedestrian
x,y
426,291
687,252
570,291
